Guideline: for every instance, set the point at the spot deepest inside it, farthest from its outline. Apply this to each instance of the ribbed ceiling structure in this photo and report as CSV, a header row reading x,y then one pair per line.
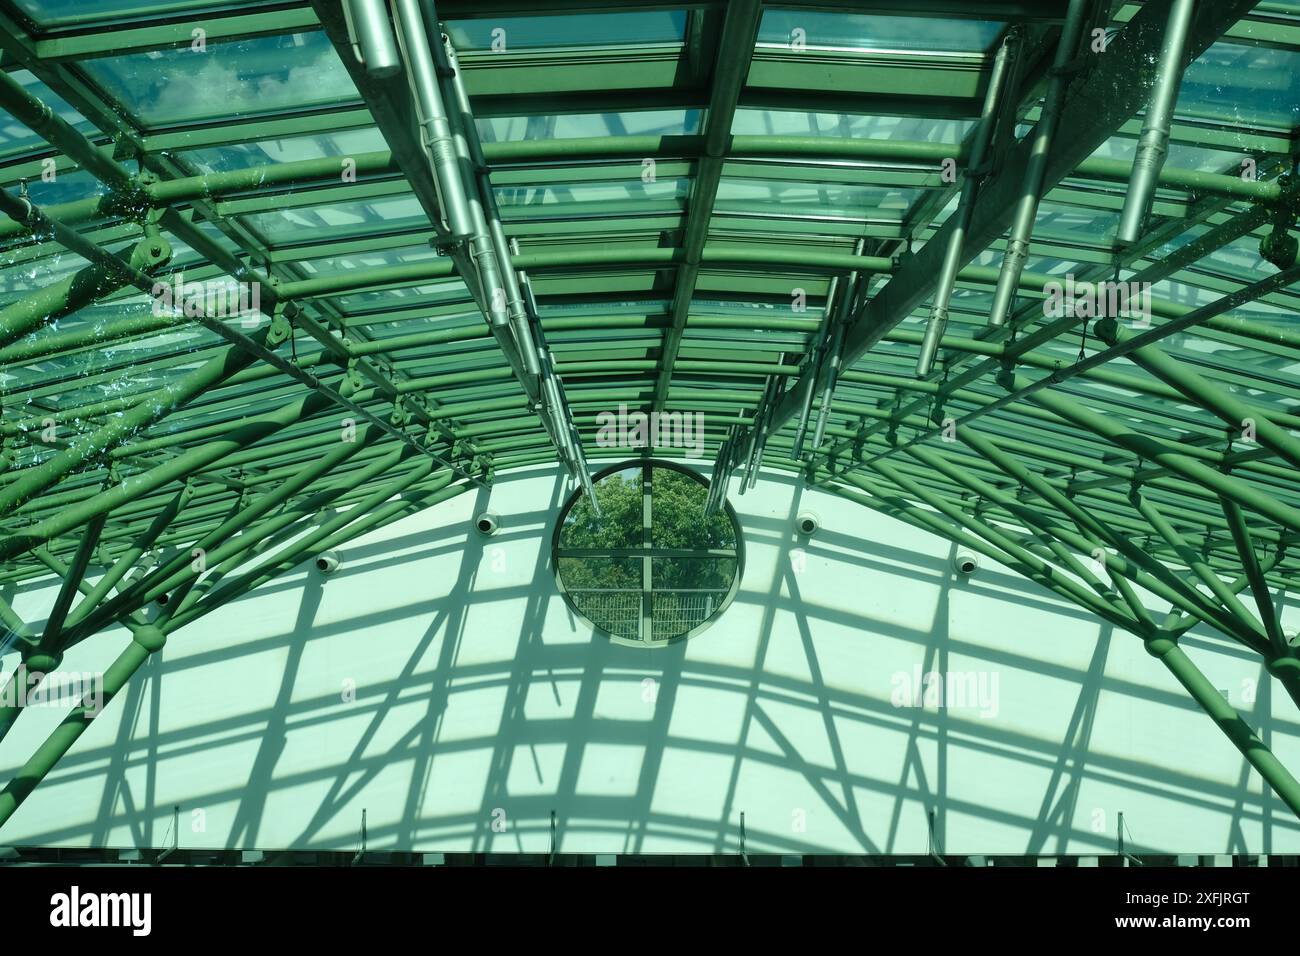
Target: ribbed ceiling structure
x,y
877,244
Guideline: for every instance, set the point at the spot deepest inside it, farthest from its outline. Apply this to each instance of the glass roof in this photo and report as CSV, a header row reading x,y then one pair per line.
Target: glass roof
x,y
226,80
702,201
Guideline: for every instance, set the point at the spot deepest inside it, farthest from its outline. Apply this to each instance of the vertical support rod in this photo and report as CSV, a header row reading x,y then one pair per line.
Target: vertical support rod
x,y
828,389
435,127
449,67
1044,134
971,181
1241,537
50,644
1153,143
815,360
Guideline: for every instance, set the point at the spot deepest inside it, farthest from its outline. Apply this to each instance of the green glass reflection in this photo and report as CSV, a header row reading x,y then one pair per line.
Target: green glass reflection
x,y
240,78
320,223
1250,86
506,34
814,199
912,129
497,129
50,13
810,29
268,152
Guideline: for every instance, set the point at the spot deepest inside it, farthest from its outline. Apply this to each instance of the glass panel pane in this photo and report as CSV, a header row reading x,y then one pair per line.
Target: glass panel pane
x,y
1078,224
507,34
50,13
606,591
427,295
619,523
593,192
22,279
866,32
241,78
1181,155
687,592
330,265
677,517
751,122
319,223
814,199
1247,85
66,187
498,129
220,159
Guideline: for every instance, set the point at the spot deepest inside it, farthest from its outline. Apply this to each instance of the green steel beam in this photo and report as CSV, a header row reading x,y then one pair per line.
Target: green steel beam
x,y
1048,10
1228,720
1187,554
151,639
1151,274
128,559
134,195
1025,388
217,27
1143,570
318,540
1166,454
472,386
731,66
1035,568
178,468
1043,447
253,346
88,285
238,531
1162,647
1179,624
1243,417
1241,537
48,651
17,628
32,772
329,170
46,123
1114,89
89,446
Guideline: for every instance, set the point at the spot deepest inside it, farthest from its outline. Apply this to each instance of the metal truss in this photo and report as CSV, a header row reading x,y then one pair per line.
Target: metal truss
x,y
466,244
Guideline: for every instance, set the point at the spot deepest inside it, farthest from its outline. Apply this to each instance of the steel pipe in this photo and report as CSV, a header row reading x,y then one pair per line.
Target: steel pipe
x,y
1035,179
372,37
974,175
449,69
815,359
432,117
1153,143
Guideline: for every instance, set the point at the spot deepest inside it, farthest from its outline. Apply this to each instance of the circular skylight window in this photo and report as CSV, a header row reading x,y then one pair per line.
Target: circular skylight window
x,y
651,568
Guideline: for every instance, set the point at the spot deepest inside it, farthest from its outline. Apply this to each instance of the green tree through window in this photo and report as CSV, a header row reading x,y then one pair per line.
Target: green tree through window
x,y
651,567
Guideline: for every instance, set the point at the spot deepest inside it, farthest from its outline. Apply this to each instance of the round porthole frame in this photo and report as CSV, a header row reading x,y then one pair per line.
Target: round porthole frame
x,y
571,604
